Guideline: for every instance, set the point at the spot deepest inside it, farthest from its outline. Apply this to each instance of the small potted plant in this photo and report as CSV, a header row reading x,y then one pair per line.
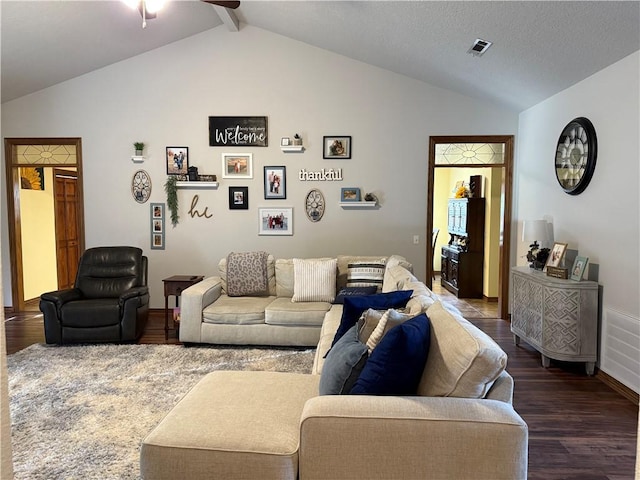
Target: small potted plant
x,y
139,146
297,139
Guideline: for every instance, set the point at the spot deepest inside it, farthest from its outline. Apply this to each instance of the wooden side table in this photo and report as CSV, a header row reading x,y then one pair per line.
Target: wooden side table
x,y
174,286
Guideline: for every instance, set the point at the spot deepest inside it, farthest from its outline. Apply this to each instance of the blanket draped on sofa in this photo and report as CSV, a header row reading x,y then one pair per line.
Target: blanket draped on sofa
x,y
247,274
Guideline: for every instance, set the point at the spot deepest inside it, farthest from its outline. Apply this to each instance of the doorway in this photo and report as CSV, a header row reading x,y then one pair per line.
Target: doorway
x,y
51,220
477,151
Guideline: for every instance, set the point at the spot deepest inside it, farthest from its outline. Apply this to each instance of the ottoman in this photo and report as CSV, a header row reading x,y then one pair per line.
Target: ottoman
x,y
231,425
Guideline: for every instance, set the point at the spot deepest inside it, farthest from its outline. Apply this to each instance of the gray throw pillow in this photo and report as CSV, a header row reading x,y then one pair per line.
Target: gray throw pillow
x,y
343,364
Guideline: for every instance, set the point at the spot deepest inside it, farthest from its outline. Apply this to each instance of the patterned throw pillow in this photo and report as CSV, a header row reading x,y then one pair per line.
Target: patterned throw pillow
x,y
247,274
314,280
390,319
366,274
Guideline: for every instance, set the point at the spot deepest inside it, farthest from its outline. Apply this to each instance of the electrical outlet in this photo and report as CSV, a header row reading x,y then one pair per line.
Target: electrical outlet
x,y
416,239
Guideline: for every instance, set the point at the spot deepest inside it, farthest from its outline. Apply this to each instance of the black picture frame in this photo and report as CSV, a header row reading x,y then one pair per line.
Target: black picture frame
x,y
238,198
336,147
177,160
275,182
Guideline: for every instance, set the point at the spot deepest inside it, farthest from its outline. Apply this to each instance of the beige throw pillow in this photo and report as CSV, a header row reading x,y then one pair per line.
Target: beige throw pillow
x,y
314,280
390,319
367,323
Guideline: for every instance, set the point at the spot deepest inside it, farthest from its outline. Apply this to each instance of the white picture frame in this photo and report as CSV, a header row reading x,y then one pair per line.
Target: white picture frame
x,y
237,165
275,221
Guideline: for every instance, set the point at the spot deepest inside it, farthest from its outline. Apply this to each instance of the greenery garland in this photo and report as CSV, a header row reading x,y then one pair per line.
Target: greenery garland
x,y
172,198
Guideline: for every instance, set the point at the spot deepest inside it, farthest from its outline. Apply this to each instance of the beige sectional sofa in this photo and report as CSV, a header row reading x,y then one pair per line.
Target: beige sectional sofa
x,y
460,424
209,315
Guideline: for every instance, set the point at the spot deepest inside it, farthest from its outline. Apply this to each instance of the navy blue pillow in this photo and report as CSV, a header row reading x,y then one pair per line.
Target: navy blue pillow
x,y
396,364
351,291
343,365
354,306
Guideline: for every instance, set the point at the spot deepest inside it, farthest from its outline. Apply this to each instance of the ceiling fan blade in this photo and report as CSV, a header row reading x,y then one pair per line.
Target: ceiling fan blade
x,y
222,3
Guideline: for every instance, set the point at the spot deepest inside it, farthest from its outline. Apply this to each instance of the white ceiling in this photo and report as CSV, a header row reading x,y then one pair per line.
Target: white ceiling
x,y
539,48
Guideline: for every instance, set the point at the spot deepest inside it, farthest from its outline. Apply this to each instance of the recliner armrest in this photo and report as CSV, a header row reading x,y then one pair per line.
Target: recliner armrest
x,y
133,293
60,297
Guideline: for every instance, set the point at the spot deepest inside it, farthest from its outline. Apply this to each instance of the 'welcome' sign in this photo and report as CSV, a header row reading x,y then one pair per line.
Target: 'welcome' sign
x,y
238,132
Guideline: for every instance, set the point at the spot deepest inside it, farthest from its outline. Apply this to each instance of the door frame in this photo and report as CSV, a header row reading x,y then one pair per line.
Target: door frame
x,y
13,205
507,192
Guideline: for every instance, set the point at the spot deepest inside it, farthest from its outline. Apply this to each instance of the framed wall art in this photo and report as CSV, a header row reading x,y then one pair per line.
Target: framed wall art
x,y
238,198
275,183
579,265
336,147
177,160
275,221
157,226
556,254
237,165
238,132
349,194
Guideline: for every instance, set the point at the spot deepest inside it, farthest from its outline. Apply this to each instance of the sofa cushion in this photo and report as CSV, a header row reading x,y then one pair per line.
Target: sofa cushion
x,y
223,428
391,318
314,280
271,274
282,311
247,274
420,303
364,273
237,310
395,366
463,360
351,291
354,306
343,364
389,283
284,277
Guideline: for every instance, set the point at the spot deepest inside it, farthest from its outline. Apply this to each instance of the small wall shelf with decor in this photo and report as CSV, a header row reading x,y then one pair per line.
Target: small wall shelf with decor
x,y
198,185
362,204
138,158
292,148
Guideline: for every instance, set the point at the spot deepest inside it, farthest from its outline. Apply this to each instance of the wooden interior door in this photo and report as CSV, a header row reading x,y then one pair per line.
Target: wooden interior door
x,y
67,230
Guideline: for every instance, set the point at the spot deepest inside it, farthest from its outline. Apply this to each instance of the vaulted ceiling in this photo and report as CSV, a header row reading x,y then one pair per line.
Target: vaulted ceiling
x,y
539,47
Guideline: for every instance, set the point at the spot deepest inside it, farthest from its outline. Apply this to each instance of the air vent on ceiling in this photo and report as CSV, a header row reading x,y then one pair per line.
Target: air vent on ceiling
x,y
479,47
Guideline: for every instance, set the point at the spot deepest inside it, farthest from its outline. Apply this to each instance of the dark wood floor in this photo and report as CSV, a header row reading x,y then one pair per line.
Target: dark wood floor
x,y
579,428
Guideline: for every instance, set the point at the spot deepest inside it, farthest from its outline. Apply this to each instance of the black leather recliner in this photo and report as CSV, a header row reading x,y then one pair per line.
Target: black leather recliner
x,y
109,303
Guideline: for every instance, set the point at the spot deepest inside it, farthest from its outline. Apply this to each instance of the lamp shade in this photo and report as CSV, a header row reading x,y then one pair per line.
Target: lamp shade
x,y
535,230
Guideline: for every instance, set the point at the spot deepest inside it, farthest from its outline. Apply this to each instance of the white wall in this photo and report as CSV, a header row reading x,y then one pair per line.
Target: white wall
x,y
164,97
602,223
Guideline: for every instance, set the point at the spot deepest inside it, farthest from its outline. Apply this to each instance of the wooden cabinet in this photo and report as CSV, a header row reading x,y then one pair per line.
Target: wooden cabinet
x,y
557,317
461,272
462,259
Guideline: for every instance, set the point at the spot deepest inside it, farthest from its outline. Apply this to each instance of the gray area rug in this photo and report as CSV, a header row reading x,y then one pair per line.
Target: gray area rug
x,y
81,412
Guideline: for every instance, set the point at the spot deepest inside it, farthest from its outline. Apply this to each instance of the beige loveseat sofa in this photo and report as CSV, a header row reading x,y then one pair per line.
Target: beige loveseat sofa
x,y
273,317
460,424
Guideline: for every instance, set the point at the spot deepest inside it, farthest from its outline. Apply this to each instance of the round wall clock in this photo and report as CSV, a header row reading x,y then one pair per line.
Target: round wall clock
x,y
576,155
314,205
141,186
